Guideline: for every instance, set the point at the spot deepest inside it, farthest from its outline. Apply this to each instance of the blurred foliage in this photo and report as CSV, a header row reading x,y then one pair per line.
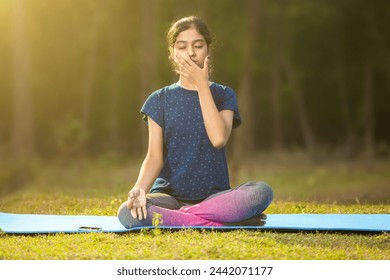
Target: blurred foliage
x,y
86,60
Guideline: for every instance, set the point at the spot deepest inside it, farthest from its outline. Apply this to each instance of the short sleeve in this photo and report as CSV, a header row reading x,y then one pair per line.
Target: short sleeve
x,y
228,101
153,108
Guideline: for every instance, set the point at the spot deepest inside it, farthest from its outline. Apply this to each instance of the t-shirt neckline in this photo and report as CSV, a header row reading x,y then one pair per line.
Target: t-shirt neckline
x,y
177,85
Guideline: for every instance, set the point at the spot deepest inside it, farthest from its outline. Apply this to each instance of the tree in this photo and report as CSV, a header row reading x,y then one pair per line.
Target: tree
x,y
291,70
275,72
245,140
147,53
22,141
90,77
368,112
276,84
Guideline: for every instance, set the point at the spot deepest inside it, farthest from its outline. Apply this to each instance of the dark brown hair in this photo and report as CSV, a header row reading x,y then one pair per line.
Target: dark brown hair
x,y
182,25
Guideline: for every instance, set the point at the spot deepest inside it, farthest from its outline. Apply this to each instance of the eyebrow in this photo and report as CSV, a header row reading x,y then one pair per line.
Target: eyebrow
x,y
195,41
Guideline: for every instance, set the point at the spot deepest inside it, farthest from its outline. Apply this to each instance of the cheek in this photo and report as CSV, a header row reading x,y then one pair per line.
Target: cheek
x,y
202,53
179,53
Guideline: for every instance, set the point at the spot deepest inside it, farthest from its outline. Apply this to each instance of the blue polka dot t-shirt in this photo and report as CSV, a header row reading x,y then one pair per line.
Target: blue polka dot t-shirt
x,y
193,169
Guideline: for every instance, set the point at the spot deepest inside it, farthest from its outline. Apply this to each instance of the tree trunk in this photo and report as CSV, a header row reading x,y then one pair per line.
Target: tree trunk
x,y
276,106
350,137
245,139
89,80
22,139
114,92
286,48
368,114
303,119
147,55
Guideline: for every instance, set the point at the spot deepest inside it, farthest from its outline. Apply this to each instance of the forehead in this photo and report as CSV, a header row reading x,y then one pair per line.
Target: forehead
x,y
189,35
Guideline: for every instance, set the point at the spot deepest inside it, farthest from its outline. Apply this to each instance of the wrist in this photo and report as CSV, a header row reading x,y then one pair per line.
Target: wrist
x,y
141,188
202,85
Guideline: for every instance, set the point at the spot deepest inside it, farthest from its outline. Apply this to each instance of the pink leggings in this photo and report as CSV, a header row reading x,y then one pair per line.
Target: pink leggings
x,y
234,205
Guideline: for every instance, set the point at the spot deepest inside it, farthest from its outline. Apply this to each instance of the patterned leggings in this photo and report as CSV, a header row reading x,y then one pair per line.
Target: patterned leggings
x,y
234,205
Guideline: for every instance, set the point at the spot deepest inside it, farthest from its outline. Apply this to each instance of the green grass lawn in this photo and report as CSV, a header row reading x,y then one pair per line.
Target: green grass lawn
x,y
300,187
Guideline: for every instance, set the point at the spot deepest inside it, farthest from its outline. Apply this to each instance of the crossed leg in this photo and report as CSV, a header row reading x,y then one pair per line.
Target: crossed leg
x,y
233,205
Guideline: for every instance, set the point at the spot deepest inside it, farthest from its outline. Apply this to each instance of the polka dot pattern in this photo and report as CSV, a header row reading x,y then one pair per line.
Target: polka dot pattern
x,y
193,169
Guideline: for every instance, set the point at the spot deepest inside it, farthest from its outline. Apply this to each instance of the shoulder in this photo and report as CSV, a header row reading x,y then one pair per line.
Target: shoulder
x,y
160,94
162,91
222,92
222,89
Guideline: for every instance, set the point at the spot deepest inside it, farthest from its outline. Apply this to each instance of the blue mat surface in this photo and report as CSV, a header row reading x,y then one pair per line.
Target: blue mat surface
x,y
38,223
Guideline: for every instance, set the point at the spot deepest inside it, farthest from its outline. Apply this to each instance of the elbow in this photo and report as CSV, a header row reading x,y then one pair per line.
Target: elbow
x,y
219,143
219,139
218,147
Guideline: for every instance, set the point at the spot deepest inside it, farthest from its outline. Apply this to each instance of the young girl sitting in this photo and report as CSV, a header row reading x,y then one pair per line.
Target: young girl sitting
x,y
184,177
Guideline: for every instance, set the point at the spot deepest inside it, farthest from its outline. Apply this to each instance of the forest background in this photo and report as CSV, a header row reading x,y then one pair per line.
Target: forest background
x,y
312,77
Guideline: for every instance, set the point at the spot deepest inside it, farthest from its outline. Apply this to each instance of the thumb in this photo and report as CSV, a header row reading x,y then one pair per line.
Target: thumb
x,y
206,63
135,193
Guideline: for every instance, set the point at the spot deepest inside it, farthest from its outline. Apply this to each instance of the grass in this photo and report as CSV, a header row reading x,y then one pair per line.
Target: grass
x,y
300,186
196,245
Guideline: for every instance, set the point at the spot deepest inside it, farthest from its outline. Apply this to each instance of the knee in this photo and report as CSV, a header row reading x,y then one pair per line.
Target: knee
x,y
264,196
261,191
124,215
266,191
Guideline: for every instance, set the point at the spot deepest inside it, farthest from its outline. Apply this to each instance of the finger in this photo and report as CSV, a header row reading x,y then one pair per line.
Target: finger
x,y
136,193
177,58
206,64
133,194
145,212
130,200
129,204
182,71
139,211
185,62
188,60
182,65
184,74
133,213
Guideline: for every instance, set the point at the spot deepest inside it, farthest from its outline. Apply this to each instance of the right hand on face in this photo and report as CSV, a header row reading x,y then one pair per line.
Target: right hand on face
x,y
136,202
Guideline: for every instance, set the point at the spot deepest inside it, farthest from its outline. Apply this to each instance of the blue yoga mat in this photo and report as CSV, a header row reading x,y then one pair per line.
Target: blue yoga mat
x,y
38,223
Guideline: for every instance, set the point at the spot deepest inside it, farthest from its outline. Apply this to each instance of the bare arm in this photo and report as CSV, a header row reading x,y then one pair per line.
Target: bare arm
x,y
218,124
150,170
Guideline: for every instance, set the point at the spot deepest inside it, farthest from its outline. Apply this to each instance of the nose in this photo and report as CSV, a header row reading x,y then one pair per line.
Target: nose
x,y
191,52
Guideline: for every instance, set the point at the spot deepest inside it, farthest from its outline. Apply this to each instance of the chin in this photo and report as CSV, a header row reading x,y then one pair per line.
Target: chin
x,y
200,64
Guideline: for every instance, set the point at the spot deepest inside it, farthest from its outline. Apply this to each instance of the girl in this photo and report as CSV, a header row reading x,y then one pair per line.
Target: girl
x,y
184,177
